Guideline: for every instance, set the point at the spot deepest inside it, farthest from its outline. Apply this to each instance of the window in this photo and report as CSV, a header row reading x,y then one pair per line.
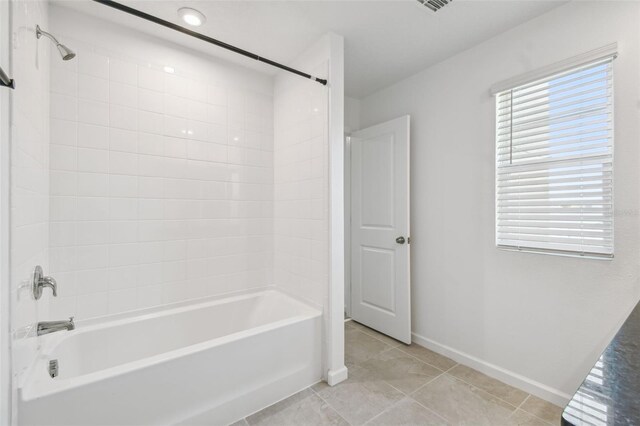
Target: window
x,y
554,163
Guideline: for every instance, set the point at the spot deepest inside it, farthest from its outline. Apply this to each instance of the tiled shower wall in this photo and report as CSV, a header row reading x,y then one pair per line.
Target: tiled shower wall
x,y
29,176
301,213
161,175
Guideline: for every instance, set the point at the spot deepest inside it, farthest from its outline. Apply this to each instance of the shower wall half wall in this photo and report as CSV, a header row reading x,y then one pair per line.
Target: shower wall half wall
x,y
161,172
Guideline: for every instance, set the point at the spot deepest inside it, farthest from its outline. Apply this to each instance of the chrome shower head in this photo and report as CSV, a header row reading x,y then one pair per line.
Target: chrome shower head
x,y
65,52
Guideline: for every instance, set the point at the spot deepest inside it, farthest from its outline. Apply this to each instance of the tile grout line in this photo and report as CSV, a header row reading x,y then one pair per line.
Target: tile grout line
x,y
410,396
529,413
522,403
329,405
488,393
431,410
400,348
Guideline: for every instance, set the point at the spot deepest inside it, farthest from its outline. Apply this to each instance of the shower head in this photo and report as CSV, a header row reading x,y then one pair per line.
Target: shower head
x,y
65,52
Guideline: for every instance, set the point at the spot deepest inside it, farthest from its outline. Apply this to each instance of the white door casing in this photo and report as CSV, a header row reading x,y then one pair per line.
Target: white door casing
x,y
380,250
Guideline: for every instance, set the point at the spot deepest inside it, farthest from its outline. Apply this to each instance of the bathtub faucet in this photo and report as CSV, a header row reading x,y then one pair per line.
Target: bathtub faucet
x,y
47,327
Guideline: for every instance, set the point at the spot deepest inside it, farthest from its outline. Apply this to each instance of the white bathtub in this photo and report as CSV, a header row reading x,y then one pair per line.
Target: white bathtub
x,y
205,363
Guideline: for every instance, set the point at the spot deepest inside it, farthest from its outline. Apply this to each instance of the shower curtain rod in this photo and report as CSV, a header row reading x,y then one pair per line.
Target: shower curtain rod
x,y
208,39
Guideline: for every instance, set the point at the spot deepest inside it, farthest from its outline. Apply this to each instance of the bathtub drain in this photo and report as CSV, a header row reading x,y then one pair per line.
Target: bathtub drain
x,y
53,368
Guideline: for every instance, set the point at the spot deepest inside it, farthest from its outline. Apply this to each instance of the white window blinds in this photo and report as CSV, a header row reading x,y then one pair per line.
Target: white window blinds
x,y
554,163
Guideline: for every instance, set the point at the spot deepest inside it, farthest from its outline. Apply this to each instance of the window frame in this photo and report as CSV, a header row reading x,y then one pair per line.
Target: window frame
x,y
606,54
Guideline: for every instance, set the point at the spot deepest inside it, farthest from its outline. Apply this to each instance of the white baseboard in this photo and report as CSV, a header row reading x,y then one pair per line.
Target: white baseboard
x,y
336,376
509,377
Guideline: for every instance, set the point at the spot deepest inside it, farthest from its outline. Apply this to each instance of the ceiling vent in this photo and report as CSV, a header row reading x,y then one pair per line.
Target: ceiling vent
x,y
435,5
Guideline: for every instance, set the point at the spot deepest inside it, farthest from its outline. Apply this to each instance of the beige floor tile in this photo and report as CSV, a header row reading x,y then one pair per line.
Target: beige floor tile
x,y
279,406
407,412
428,356
360,397
542,409
400,370
522,418
462,403
304,408
495,387
359,347
373,333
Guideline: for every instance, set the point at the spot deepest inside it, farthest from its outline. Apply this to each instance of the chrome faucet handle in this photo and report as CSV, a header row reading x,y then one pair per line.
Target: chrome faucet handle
x,y
40,281
51,283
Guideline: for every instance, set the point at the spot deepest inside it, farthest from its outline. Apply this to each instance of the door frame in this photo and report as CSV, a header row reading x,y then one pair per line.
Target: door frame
x,y
6,383
347,224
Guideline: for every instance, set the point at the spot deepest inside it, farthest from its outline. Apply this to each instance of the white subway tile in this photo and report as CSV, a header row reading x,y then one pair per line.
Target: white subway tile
x,y
92,257
90,281
151,187
92,208
123,254
92,232
123,94
64,81
150,122
176,85
92,136
149,209
123,209
93,160
93,88
151,100
123,163
62,208
150,78
93,64
122,117
64,107
63,183
123,186
123,232
92,305
62,157
123,300
93,112
63,132
217,95
176,106
123,72
123,140
93,184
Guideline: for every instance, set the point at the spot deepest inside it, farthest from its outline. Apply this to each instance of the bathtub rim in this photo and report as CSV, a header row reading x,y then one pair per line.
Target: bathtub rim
x,y
38,384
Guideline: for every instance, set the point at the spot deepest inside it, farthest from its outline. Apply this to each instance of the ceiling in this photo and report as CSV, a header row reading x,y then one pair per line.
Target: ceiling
x,y
385,40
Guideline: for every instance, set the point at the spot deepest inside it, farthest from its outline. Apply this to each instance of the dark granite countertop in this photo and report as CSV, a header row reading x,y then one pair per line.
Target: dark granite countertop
x,y
610,395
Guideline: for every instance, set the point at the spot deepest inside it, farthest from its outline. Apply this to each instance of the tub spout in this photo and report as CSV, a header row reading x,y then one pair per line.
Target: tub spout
x,y
47,327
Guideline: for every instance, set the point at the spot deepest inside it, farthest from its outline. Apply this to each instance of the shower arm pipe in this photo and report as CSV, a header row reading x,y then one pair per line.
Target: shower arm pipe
x,y
208,39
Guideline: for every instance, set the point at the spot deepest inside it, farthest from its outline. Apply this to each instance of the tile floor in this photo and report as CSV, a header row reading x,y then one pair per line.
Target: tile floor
x,y
394,384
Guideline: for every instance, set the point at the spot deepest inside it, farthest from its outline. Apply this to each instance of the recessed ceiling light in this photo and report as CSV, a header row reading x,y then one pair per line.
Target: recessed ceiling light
x,y
191,16
169,69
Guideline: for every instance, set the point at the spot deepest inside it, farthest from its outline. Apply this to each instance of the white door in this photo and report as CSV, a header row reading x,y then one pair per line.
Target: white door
x,y
380,278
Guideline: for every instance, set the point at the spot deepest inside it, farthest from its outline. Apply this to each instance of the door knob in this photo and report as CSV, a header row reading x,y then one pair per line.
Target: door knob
x,y
400,240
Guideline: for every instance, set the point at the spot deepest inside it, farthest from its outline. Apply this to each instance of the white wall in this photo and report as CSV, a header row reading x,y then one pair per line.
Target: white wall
x,y
301,221
537,321
308,132
161,183
29,177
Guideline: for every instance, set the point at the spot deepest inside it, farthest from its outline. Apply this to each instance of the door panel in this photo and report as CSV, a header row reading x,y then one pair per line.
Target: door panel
x,y
380,280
